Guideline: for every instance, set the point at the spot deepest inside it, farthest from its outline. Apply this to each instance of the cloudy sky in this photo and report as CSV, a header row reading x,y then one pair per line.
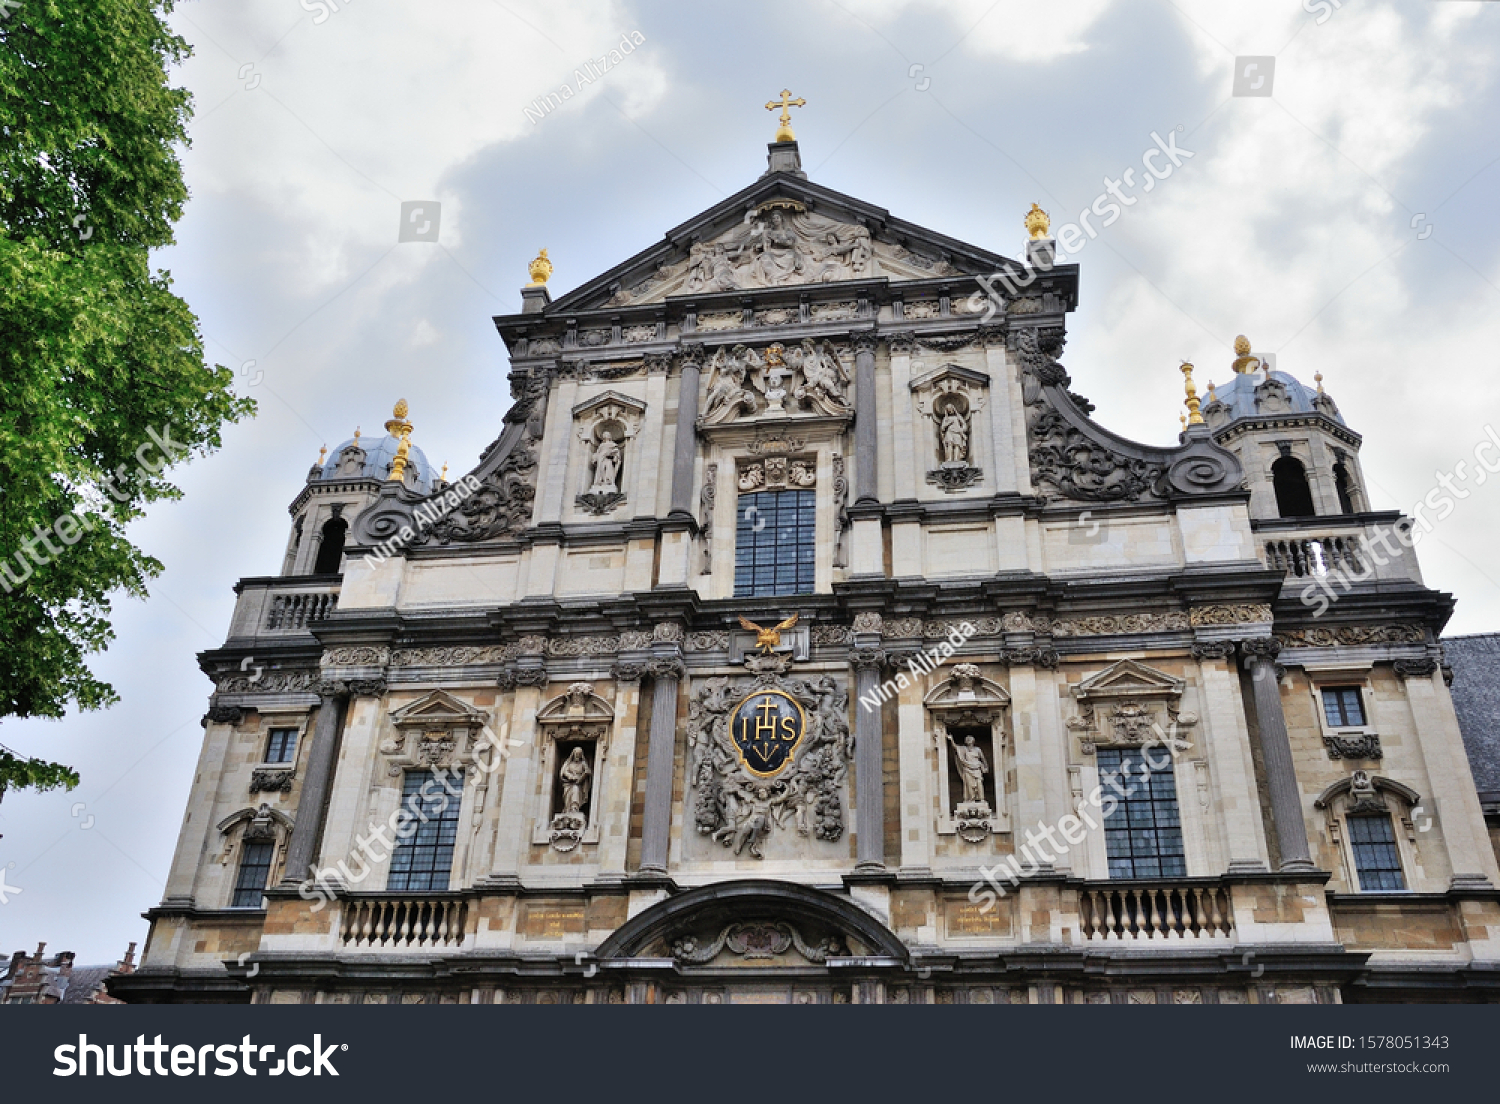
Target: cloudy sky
x,y
1346,222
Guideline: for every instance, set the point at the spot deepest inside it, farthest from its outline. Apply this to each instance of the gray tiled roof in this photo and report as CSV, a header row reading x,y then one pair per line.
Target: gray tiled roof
x,y
85,982
1476,697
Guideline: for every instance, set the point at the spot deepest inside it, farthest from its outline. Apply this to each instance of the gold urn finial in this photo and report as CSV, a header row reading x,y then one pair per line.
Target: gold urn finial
x,y
1037,223
399,427
322,452
1194,418
540,269
443,475
1244,361
356,435
1182,421
1318,379
784,131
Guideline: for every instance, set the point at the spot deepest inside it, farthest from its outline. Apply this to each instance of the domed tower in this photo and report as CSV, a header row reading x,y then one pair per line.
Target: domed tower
x,y
341,486
1300,459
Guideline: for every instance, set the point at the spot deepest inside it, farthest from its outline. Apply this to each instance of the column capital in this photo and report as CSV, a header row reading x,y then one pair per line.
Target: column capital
x,y
1425,667
1261,648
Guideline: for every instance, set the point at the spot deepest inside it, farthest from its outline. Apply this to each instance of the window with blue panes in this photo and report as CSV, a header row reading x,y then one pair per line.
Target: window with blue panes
x,y
1376,859
1143,832
423,861
254,872
281,746
775,550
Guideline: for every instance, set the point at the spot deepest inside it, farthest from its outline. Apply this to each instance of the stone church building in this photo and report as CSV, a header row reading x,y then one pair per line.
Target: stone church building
x,y
800,638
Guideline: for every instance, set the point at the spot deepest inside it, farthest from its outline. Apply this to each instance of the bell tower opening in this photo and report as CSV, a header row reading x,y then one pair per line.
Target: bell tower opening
x,y
331,549
1293,495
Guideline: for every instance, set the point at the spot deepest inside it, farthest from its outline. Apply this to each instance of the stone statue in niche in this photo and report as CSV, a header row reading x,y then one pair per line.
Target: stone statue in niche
x,y
953,432
606,461
972,767
575,775
949,398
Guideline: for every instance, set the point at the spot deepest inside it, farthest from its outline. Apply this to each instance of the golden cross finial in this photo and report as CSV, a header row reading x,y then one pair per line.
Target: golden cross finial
x,y
784,132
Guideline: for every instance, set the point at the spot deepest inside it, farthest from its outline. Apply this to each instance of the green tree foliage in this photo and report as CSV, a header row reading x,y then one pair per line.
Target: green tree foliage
x,y
96,352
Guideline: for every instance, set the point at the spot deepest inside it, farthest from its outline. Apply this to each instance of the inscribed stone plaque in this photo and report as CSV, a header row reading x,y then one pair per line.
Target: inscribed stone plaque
x,y
552,921
966,918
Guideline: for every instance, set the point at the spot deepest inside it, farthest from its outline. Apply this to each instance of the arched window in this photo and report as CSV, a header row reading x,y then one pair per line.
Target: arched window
x,y
331,551
1342,484
1293,496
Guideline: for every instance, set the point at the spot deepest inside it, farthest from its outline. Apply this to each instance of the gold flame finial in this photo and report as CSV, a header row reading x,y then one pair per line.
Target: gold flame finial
x,y
400,428
540,269
784,131
356,435
322,452
443,475
1318,379
1037,223
1194,418
1182,421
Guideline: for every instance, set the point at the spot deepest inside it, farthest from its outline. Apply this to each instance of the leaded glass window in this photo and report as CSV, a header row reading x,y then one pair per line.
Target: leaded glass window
x,y
1143,832
255,871
281,747
1343,707
774,548
1375,855
423,861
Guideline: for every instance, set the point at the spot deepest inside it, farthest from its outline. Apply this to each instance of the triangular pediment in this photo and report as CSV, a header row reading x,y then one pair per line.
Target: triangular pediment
x,y
1127,678
437,708
781,231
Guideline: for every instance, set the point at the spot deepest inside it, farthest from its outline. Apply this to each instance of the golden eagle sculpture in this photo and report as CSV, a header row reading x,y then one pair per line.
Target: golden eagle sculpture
x,y
768,640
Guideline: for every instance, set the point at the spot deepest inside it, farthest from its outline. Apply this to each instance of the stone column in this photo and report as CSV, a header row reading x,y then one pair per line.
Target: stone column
x,y
864,419
869,795
303,847
1276,751
1232,771
685,452
1460,816
667,671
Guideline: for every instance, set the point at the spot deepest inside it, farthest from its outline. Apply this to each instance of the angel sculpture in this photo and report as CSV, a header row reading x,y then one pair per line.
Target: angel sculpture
x,y
727,392
824,378
768,640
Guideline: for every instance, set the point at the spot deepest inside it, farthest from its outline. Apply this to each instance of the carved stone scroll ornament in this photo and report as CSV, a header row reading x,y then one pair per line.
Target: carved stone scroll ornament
x,y
1073,457
740,810
270,682
755,940
1347,635
271,780
841,521
506,474
1364,745
706,500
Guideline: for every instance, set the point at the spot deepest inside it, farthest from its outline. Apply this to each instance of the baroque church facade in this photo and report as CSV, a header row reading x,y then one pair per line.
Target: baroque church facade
x,y
802,639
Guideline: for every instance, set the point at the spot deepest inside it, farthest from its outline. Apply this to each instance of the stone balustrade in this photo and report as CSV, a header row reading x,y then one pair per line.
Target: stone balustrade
x,y
403,923
1128,912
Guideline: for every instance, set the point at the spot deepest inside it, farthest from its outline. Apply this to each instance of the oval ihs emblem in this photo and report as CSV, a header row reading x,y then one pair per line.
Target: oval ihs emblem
x,y
767,728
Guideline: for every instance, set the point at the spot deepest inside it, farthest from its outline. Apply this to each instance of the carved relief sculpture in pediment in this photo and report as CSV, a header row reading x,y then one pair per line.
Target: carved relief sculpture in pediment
x,y
438,732
778,382
950,399
1130,705
777,244
574,730
606,425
